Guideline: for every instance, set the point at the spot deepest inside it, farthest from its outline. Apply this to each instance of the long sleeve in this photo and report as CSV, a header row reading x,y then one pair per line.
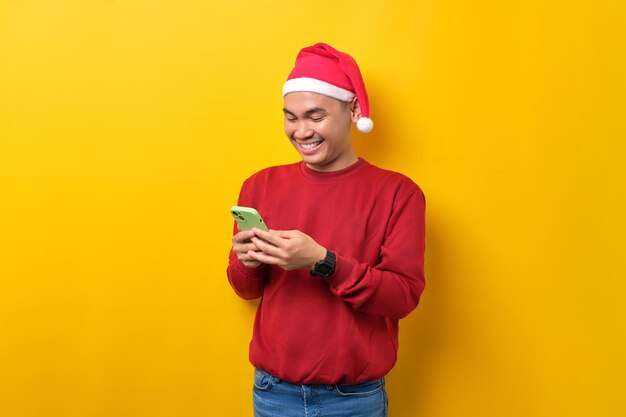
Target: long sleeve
x,y
393,287
246,282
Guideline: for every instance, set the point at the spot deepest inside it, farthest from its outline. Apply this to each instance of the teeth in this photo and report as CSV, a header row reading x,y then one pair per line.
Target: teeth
x,y
310,145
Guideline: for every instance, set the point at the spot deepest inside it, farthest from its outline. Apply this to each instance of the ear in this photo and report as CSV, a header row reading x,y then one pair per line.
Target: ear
x,y
355,110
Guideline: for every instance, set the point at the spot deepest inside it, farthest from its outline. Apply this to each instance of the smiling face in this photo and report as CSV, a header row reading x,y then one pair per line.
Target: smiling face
x,y
319,127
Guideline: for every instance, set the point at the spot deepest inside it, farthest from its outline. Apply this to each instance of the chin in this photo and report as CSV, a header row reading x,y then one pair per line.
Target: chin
x,y
311,159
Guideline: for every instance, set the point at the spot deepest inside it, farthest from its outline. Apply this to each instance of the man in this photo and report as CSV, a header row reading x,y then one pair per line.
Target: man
x,y
342,262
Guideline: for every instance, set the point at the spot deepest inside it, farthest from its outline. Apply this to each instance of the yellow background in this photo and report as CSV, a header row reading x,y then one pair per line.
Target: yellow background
x,y
127,127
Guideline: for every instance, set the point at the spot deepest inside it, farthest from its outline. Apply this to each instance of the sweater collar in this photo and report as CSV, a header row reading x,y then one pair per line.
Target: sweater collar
x,y
332,175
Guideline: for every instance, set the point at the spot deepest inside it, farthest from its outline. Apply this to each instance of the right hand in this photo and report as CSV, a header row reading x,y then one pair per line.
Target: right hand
x,y
242,245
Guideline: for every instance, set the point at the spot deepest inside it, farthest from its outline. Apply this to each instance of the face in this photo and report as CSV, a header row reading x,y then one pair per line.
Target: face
x,y
319,127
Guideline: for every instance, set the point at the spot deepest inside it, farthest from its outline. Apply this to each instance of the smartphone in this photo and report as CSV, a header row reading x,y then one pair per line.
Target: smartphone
x,y
247,218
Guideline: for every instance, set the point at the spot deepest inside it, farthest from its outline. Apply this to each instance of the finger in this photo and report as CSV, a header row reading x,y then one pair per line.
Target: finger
x,y
267,236
266,247
244,247
249,262
264,258
245,256
285,234
243,236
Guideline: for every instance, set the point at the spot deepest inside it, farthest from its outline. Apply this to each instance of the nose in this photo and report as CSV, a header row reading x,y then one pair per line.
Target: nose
x,y
302,131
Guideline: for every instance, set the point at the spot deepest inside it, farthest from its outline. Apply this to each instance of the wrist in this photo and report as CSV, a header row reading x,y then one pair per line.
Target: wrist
x,y
321,254
325,267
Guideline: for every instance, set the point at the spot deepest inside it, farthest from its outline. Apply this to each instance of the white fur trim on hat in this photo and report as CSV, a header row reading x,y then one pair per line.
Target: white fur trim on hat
x,y
316,86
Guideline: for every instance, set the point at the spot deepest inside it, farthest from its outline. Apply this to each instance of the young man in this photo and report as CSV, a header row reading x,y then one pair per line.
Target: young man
x,y
343,262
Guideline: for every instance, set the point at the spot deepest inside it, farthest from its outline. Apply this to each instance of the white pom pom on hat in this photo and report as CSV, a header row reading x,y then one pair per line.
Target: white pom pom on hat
x,y
364,124
323,69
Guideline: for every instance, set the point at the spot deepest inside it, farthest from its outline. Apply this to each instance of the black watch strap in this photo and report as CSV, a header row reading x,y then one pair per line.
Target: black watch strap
x,y
325,267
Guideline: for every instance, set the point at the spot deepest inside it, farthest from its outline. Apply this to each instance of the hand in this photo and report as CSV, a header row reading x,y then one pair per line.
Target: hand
x,y
242,246
288,249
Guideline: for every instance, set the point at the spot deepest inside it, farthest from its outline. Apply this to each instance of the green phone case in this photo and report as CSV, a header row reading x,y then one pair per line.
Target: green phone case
x,y
247,218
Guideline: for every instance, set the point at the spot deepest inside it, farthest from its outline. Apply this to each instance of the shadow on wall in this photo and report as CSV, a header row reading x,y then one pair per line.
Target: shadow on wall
x,y
448,329
421,335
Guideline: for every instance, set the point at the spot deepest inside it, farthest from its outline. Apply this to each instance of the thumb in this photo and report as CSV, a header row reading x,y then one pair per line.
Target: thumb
x,y
285,234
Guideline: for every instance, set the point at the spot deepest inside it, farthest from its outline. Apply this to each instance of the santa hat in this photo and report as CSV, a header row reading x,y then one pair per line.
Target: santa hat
x,y
323,69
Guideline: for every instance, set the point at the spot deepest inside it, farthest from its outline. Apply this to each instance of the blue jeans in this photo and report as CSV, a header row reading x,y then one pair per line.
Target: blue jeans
x,y
276,398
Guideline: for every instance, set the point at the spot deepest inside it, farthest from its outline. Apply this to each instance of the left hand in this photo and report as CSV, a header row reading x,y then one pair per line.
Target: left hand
x,y
288,249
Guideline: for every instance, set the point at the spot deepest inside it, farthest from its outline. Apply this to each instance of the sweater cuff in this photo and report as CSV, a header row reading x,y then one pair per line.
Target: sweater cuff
x,y
343,271
254,273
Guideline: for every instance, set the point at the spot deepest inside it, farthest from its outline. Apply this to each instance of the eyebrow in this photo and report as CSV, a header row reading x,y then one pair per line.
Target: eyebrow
x,y
308,112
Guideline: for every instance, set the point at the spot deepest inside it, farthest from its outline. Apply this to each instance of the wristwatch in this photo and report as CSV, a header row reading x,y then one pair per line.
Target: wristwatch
x,y
325,267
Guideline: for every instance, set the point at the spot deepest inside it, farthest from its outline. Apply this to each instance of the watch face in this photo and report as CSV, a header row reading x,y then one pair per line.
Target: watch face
x,y
325,267
324,270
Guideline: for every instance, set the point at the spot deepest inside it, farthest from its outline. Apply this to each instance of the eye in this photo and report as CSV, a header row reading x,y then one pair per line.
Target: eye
x,y
317,119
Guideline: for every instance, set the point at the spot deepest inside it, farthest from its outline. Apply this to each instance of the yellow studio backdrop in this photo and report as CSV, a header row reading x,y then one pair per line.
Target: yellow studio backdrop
x,y
127,127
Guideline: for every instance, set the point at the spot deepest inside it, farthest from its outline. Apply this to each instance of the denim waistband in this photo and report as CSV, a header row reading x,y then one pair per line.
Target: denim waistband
x,y
276,380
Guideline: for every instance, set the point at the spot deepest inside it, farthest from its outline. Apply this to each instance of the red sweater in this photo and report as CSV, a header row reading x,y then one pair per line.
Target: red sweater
x,y
343,329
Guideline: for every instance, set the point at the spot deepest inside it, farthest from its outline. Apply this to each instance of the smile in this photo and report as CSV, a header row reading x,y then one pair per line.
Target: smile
x,y
310,146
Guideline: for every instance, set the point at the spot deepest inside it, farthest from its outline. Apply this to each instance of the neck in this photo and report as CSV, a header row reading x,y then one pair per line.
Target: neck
x,y
336,165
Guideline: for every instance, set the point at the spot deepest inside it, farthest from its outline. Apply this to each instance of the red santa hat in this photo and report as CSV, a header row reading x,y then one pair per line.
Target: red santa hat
x,y
323,69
